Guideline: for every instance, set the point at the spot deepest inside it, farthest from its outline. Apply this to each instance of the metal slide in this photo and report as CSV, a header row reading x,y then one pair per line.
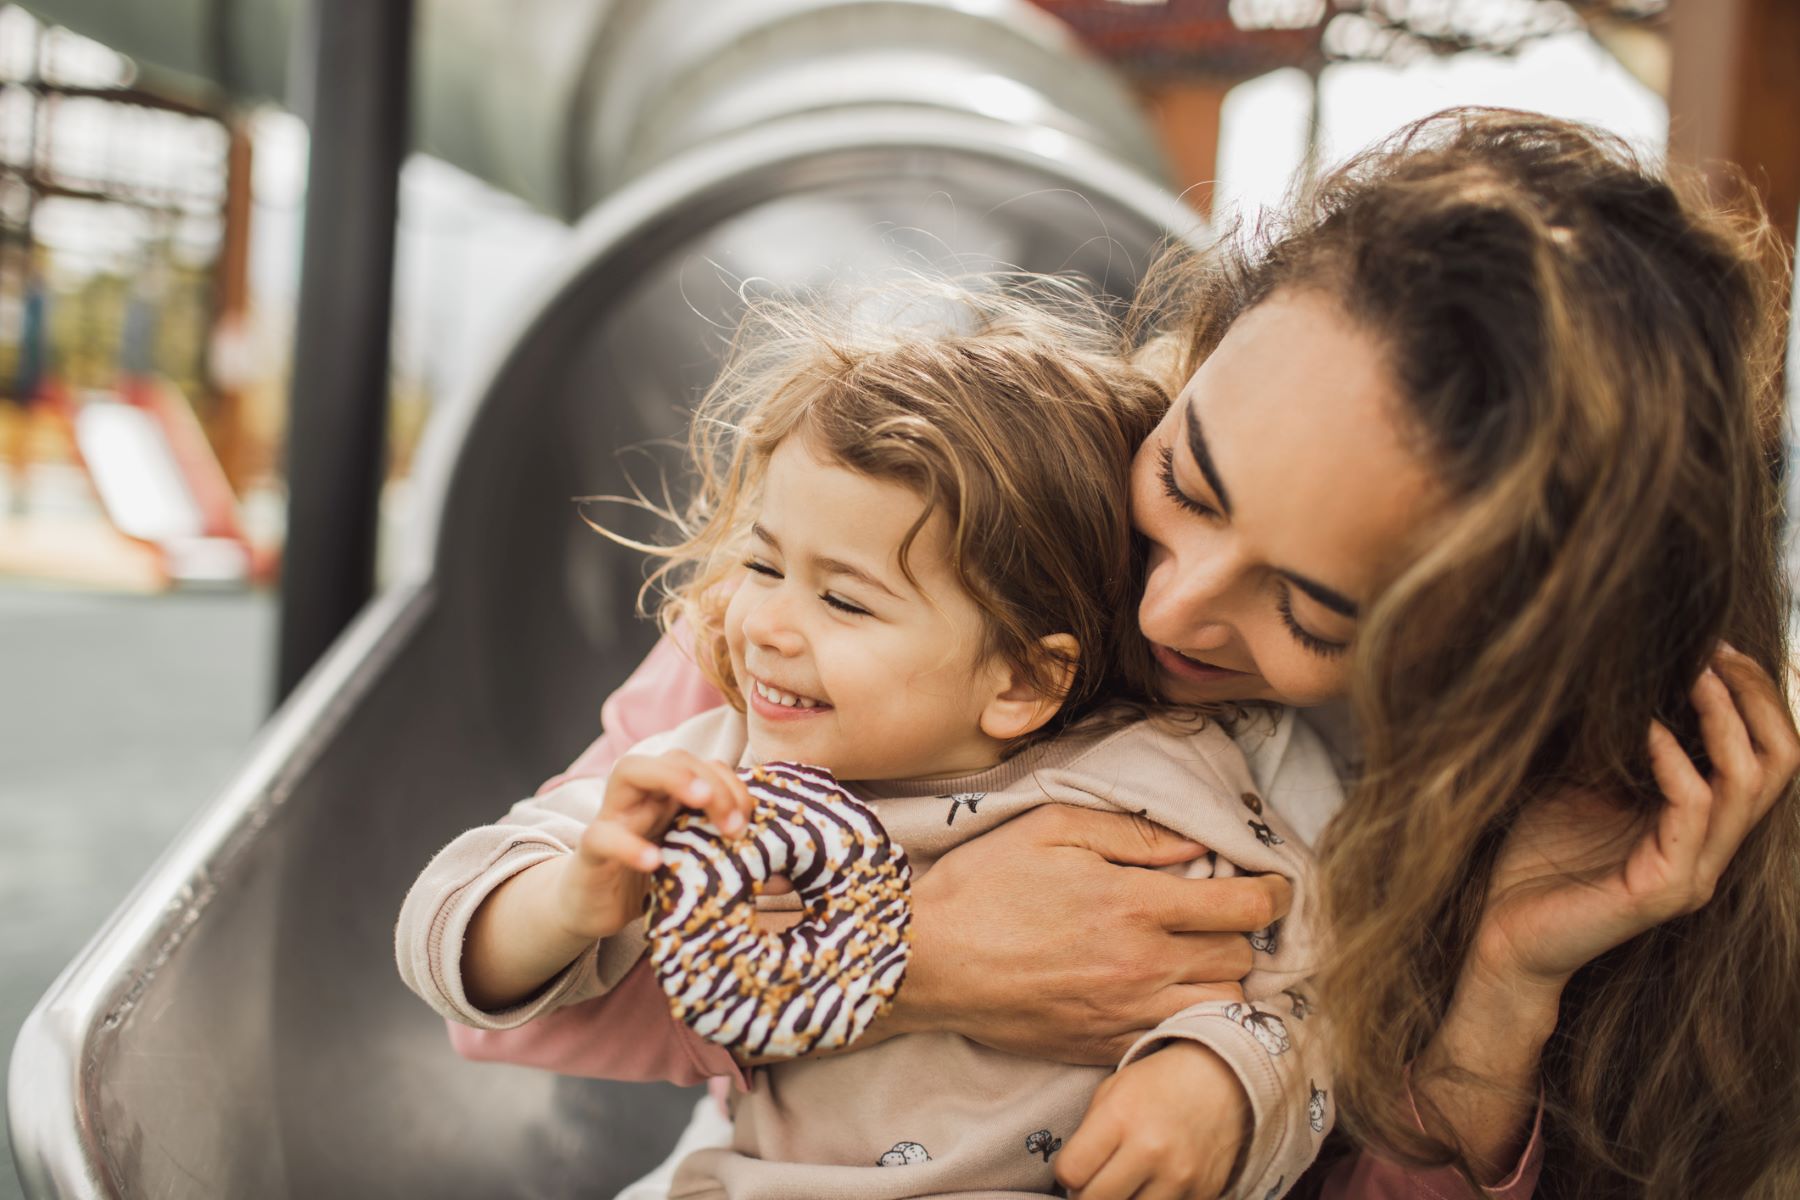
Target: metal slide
x,y
237,1029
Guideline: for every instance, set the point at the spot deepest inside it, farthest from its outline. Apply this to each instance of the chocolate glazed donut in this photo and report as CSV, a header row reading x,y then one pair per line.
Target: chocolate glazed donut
x,y
815,986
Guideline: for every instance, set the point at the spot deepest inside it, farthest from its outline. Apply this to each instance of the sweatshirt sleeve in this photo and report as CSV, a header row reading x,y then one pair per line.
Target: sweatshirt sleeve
x,y
434,920
1366,1175
626,1033
1276,1050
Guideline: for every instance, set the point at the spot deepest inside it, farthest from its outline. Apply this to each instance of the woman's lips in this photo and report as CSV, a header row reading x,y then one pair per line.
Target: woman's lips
x,y
1183,667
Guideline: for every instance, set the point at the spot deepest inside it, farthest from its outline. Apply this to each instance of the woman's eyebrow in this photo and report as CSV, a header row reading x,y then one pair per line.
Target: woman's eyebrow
x,y
1196,441
1337,602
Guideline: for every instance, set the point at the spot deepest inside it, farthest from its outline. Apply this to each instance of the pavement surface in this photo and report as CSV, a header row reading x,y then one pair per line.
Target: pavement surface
x,y
120,716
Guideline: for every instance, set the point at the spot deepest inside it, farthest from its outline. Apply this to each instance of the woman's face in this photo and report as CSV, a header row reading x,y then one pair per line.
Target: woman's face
x,y
1279,496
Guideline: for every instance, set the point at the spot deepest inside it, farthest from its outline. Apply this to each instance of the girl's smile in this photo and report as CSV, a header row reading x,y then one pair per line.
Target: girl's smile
x,y
776,704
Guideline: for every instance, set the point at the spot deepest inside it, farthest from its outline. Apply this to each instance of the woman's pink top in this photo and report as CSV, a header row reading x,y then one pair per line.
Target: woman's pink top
x,y
665,690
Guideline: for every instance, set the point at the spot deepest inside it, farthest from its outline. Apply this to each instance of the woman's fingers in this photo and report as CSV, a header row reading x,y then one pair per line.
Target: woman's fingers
x,y
1681,826
1117,837
1181,996
1767,719
1722,729
1237,904
1761,752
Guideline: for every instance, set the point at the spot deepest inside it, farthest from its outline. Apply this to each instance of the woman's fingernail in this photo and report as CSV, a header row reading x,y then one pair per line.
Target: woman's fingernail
x,y
699,789
649,860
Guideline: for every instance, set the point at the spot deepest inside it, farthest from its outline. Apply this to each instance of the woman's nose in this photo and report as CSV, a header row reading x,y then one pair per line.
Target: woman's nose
x,y
1187,600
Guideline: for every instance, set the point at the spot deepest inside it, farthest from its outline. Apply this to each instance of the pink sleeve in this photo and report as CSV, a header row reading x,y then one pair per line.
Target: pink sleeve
x,y
665,690
1365,1175
628,1033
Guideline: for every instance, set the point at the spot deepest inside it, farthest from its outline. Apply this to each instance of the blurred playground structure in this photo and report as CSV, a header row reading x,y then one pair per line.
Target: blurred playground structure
x,y
147,248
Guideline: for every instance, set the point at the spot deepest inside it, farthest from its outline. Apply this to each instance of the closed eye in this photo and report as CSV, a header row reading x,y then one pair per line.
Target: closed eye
x,y
1284,604
1166,474
843,606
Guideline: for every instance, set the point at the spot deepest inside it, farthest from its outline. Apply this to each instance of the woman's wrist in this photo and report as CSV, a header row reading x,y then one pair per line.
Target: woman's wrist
x,y
1480,1072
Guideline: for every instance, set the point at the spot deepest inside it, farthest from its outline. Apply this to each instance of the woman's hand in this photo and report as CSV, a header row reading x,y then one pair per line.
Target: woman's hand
x,y
1046,938
1579,874
1167,1127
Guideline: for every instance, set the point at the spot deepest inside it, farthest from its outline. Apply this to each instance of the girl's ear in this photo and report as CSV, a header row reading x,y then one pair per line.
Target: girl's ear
x,y
1017,707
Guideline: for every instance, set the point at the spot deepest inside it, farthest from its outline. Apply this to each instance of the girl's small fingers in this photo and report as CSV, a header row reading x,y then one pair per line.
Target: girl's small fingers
x,y
694,783
609,841
726,797
1175,1187
670,775
1087,1149
1123,1173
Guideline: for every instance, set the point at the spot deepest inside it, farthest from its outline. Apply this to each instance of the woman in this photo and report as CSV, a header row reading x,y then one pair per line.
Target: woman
x,y
1480,436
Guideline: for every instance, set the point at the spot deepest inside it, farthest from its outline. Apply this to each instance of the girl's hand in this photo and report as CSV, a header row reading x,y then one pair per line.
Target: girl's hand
x,y
1077,972
601,886
1579,874
1167,1127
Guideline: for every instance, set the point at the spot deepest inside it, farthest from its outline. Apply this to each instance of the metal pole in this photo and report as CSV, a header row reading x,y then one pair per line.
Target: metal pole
x,y
354,63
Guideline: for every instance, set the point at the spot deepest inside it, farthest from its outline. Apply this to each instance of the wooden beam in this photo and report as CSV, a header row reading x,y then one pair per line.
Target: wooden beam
x,y
1734,97
1186,112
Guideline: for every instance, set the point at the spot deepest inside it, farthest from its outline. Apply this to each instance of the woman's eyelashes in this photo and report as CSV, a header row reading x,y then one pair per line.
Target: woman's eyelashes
x,y
1284,604
1171,489
769,571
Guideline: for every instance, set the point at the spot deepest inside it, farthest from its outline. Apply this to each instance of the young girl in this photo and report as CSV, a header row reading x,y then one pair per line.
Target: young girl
x,y
910,563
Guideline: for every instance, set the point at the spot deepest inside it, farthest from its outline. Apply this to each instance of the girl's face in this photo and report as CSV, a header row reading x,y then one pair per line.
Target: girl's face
x,y
842,662
1279,496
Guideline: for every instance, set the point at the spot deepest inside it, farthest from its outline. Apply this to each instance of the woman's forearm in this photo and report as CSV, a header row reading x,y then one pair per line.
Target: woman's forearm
x,y
1480,1072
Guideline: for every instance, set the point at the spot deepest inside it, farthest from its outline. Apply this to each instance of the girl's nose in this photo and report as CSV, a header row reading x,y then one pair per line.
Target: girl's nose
x,y
769,625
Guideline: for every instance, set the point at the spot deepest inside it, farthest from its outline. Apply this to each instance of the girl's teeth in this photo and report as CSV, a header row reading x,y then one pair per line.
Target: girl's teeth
x,y
774,696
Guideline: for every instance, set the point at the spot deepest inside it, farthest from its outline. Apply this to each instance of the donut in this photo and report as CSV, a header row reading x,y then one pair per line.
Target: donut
x,y
815,986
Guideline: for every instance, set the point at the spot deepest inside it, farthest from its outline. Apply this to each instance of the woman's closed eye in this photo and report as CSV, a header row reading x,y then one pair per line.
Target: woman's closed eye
x,y
1171,489
770,571
1284,604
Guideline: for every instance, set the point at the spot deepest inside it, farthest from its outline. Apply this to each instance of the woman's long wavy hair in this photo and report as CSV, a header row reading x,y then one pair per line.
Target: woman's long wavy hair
x,y
1588,357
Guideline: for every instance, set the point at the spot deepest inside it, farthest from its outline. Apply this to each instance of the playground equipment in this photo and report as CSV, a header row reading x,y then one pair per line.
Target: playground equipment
x,y
237,1028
